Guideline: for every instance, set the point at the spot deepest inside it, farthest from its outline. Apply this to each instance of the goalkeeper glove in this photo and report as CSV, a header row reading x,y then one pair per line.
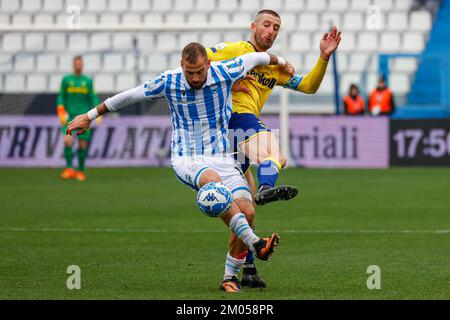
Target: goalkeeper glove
x,y
62,115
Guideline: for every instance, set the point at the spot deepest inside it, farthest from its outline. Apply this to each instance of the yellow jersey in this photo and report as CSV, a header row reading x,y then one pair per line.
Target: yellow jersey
x,y
267,77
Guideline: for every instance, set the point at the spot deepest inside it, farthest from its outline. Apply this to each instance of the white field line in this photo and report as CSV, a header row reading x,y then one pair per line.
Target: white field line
x,y
158,230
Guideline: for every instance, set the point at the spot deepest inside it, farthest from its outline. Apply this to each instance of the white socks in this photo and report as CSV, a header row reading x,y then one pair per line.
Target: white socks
x,y
240,227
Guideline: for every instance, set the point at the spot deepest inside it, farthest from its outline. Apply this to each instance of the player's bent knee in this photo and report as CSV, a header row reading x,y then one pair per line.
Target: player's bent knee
x,y
209,176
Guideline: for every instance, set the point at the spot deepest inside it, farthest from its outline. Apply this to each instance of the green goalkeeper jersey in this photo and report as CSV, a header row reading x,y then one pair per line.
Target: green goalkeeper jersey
x,y
77,95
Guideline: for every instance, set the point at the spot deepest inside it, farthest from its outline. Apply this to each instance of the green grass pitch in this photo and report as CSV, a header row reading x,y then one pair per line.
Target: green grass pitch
x,y
137,234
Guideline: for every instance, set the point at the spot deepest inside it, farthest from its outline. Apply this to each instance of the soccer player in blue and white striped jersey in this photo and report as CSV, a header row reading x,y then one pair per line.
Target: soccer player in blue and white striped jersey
x,y
200,102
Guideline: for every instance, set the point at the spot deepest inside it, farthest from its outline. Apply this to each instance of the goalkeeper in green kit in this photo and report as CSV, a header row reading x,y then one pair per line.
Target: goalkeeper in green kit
x,y
76,96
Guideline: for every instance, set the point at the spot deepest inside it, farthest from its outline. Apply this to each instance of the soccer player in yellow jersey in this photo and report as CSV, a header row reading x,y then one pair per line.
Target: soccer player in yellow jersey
x,y
257,142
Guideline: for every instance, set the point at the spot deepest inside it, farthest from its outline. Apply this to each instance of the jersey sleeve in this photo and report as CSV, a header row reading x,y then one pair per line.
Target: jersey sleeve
x,y
225,51
238,67
61,98
308,83
150,90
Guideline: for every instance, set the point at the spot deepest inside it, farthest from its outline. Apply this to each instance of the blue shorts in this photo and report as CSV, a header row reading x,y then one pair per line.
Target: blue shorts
x,y
243,126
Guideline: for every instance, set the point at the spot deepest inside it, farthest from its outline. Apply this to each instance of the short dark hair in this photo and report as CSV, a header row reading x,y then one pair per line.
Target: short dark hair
x,y
79,57
193,51
268,11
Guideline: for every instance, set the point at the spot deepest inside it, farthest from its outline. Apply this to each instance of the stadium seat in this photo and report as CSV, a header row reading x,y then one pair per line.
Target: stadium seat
x,y
146,42
56,42
65,63
12,42
52,5
227,6
153,18
198,18
413,42
185,38
348,42
353,21
328,20
43,19
24,63
92,62
205,5
403,5
308,21
399,83
104,83
310,60
110,19
384,5
9,6
288,20
5,19
294,5
131,19
296,59
79,3
34,42
339,6
358,62
219,19
174,61
389,42
342,61
36,83
234,36
162,6
21,18
46,63
272,5
183,5
175,18
78,42
210,39
316,5
406,65
300,42
6,62
14,83
118,6
420,21
367,41
112,62
100,41
88,20
397,21
360,5
241,18
122,42
140,6
54,82
97,6
125,81
30,6
166,42
156,62
347,79
251,6
327,85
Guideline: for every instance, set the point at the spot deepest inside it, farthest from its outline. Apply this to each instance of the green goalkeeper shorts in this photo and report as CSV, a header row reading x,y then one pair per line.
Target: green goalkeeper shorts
x,y
86,136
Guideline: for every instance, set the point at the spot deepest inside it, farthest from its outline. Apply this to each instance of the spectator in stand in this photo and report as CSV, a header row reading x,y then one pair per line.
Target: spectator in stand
x,y
381,100
353,102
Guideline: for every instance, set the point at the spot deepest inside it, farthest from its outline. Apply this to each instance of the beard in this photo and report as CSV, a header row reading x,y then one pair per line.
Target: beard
x,y
262,43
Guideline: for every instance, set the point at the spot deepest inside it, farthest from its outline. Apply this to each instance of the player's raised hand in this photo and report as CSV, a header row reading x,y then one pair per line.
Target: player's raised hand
x,y
329,43
81,123
238,87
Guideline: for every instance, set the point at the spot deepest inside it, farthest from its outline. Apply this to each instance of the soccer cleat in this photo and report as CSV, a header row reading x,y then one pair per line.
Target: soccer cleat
x,y
265,247
67,174
80,176
230,285
267,194
251,278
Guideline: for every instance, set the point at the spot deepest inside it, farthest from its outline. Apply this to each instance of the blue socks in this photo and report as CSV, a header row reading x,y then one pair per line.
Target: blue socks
x,y
268,172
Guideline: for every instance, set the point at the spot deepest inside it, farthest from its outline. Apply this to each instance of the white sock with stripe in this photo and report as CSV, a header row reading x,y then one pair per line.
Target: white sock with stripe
x,y
233,266
240,227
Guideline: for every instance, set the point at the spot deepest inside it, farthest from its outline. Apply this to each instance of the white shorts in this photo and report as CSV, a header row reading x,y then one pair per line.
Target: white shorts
x,y
189,169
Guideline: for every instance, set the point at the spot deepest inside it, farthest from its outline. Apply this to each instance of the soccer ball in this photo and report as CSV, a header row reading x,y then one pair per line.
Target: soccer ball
x,y
214,199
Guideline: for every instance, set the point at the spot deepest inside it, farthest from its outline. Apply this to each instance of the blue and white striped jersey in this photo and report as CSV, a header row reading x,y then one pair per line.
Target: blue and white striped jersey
x,y
199,117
